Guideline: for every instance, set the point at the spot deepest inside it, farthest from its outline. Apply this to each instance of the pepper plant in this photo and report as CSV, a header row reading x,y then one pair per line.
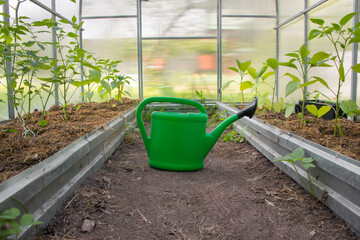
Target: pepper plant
x,y
340,38
241,69
302,62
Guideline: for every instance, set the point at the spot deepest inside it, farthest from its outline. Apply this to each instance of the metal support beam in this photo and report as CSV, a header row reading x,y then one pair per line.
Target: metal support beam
x,y
177,38
277,49
219,50
139,48
306,26
355,49
248,16
10,92
54,50
307,9
113,16
81,47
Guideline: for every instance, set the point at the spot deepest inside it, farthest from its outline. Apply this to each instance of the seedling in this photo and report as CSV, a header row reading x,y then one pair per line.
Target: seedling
x,y
306,163
10,227
318,112
234,136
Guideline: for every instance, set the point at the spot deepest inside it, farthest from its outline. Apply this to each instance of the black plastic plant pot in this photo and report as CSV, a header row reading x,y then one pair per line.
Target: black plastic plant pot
x,y
329,115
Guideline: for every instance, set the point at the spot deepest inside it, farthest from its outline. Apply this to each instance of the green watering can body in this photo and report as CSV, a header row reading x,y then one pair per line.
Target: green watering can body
x,y
179,141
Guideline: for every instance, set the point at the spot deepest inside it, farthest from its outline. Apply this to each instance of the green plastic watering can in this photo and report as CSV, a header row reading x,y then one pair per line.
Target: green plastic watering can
x,y
179,141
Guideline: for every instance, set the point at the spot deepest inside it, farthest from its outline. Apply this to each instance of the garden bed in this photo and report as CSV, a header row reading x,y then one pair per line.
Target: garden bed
x,y
239,194
18,154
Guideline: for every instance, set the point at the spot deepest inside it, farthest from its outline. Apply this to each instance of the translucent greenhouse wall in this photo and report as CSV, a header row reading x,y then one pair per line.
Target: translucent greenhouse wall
x,y
172,48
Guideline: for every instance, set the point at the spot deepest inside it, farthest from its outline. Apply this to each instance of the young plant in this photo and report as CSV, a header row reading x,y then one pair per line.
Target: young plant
x,y
318,112
298,156
10,227
21,61
234,136
302,62
340,38
241,69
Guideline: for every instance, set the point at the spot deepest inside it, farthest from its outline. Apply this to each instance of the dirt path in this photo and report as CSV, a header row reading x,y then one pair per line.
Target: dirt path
x,y
238,195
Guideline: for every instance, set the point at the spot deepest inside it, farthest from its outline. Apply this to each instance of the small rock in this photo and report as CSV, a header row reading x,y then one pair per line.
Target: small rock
x,y
88,226
254,154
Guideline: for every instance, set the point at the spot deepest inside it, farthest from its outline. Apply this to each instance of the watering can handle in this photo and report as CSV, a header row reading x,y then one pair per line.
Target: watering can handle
x,y
161,99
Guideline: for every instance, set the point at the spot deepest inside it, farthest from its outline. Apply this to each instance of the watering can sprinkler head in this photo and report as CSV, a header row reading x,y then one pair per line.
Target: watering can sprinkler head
x,y
179,141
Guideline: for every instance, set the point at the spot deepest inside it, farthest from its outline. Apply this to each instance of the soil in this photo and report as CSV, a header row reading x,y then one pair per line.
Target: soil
x,y
320,131
238,195
18,154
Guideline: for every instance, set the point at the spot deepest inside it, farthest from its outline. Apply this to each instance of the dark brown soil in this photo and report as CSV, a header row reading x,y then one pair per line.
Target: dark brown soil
x,y
238,195
18,154
320,131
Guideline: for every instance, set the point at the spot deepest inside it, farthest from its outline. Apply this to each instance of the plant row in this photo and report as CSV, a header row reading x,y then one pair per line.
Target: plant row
x,y
23,61
303,62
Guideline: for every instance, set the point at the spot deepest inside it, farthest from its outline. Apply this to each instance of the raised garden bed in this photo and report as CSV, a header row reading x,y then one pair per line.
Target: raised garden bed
x,y
43,188
336,177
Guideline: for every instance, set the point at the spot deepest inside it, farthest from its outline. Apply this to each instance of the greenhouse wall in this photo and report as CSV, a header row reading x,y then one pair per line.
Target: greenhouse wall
x,y
175,48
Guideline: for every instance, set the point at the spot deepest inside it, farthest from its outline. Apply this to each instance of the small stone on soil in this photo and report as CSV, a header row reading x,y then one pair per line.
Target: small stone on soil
x,y
88,226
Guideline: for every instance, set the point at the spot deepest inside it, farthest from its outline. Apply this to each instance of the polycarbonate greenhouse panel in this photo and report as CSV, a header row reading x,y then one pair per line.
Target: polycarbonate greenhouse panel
x,y
287,8
248,7
291,39
245,39
179,18
114,39
67,8
176,68
108,7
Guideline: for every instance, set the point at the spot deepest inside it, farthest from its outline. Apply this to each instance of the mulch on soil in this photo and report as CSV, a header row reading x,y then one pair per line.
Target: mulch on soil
x,y
238,195
320,131
18,154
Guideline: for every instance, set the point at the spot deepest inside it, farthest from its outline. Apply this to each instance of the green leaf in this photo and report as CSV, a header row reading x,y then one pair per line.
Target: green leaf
x,y
11,213
245,85
234,69
262,71
312,109
348,106
226,85
289,110
244,66
354,39
89,95
294,55
297,153
319,56
336,26
82,83
252,72
313,34
95,75
307,160
347,18
322,81
291,87
317,21
27,219
73,19
307,83
72,35
304,52
288,64
307,165
277,107
323,110
268,74
106,86
273,63
293,77
43,123
356,68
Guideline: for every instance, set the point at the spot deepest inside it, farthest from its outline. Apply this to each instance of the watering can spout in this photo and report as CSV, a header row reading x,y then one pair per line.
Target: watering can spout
x,y
212,137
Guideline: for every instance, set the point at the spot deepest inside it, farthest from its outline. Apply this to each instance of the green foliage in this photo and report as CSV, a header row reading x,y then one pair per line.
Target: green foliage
x,y
234,136
340,38
350,108
298,156
318,112
241,69
302,62
10,224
